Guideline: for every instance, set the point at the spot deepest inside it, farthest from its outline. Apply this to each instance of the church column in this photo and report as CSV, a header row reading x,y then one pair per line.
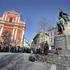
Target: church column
x,y
22,37
18,19
5,17
1,31
15,34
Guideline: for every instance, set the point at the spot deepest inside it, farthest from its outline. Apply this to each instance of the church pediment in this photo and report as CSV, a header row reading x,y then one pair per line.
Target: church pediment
x,y
11,16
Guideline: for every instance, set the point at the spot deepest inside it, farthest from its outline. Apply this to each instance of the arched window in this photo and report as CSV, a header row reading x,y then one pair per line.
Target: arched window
x,y
10,19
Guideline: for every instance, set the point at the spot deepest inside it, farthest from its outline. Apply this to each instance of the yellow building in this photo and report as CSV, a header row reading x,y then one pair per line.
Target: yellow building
x,y
39,39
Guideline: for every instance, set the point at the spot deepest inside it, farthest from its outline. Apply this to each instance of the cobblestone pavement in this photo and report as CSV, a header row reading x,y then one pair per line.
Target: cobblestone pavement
x,y
19,61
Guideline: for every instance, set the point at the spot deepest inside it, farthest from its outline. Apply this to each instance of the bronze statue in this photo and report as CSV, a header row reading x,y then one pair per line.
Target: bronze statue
x,y
63,18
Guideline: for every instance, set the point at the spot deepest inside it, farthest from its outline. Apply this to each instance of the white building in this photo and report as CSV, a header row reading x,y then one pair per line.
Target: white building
x,y
52,32
26,44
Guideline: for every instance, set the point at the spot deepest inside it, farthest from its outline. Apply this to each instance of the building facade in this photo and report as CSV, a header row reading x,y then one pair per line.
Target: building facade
x,y
40,39
12,23
52,33
26,44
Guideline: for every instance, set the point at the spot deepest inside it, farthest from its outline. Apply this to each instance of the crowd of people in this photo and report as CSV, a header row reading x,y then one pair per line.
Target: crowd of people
x,y
16,49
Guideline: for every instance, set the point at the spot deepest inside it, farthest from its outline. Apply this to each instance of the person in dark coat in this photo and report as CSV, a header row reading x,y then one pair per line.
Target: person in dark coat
x,y
46,47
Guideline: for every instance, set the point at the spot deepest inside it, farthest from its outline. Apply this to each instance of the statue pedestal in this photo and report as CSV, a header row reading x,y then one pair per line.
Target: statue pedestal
x,y
62,41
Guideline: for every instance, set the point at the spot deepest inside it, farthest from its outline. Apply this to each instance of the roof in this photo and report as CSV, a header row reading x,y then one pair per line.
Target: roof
x,y
14,12
38,34
52,28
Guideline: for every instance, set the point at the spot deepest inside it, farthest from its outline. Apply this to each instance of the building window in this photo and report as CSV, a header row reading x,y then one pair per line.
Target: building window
x,y
51,34
51,39
10,19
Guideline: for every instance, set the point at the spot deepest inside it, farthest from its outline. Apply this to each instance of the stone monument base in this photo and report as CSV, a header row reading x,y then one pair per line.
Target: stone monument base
x,y
62,41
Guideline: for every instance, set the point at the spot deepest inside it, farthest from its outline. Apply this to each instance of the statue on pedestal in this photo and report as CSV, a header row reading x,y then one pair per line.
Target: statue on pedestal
x,y
62,39
63,18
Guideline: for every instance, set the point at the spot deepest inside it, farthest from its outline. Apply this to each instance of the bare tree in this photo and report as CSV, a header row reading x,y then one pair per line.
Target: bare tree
x,y
43,25
6,36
